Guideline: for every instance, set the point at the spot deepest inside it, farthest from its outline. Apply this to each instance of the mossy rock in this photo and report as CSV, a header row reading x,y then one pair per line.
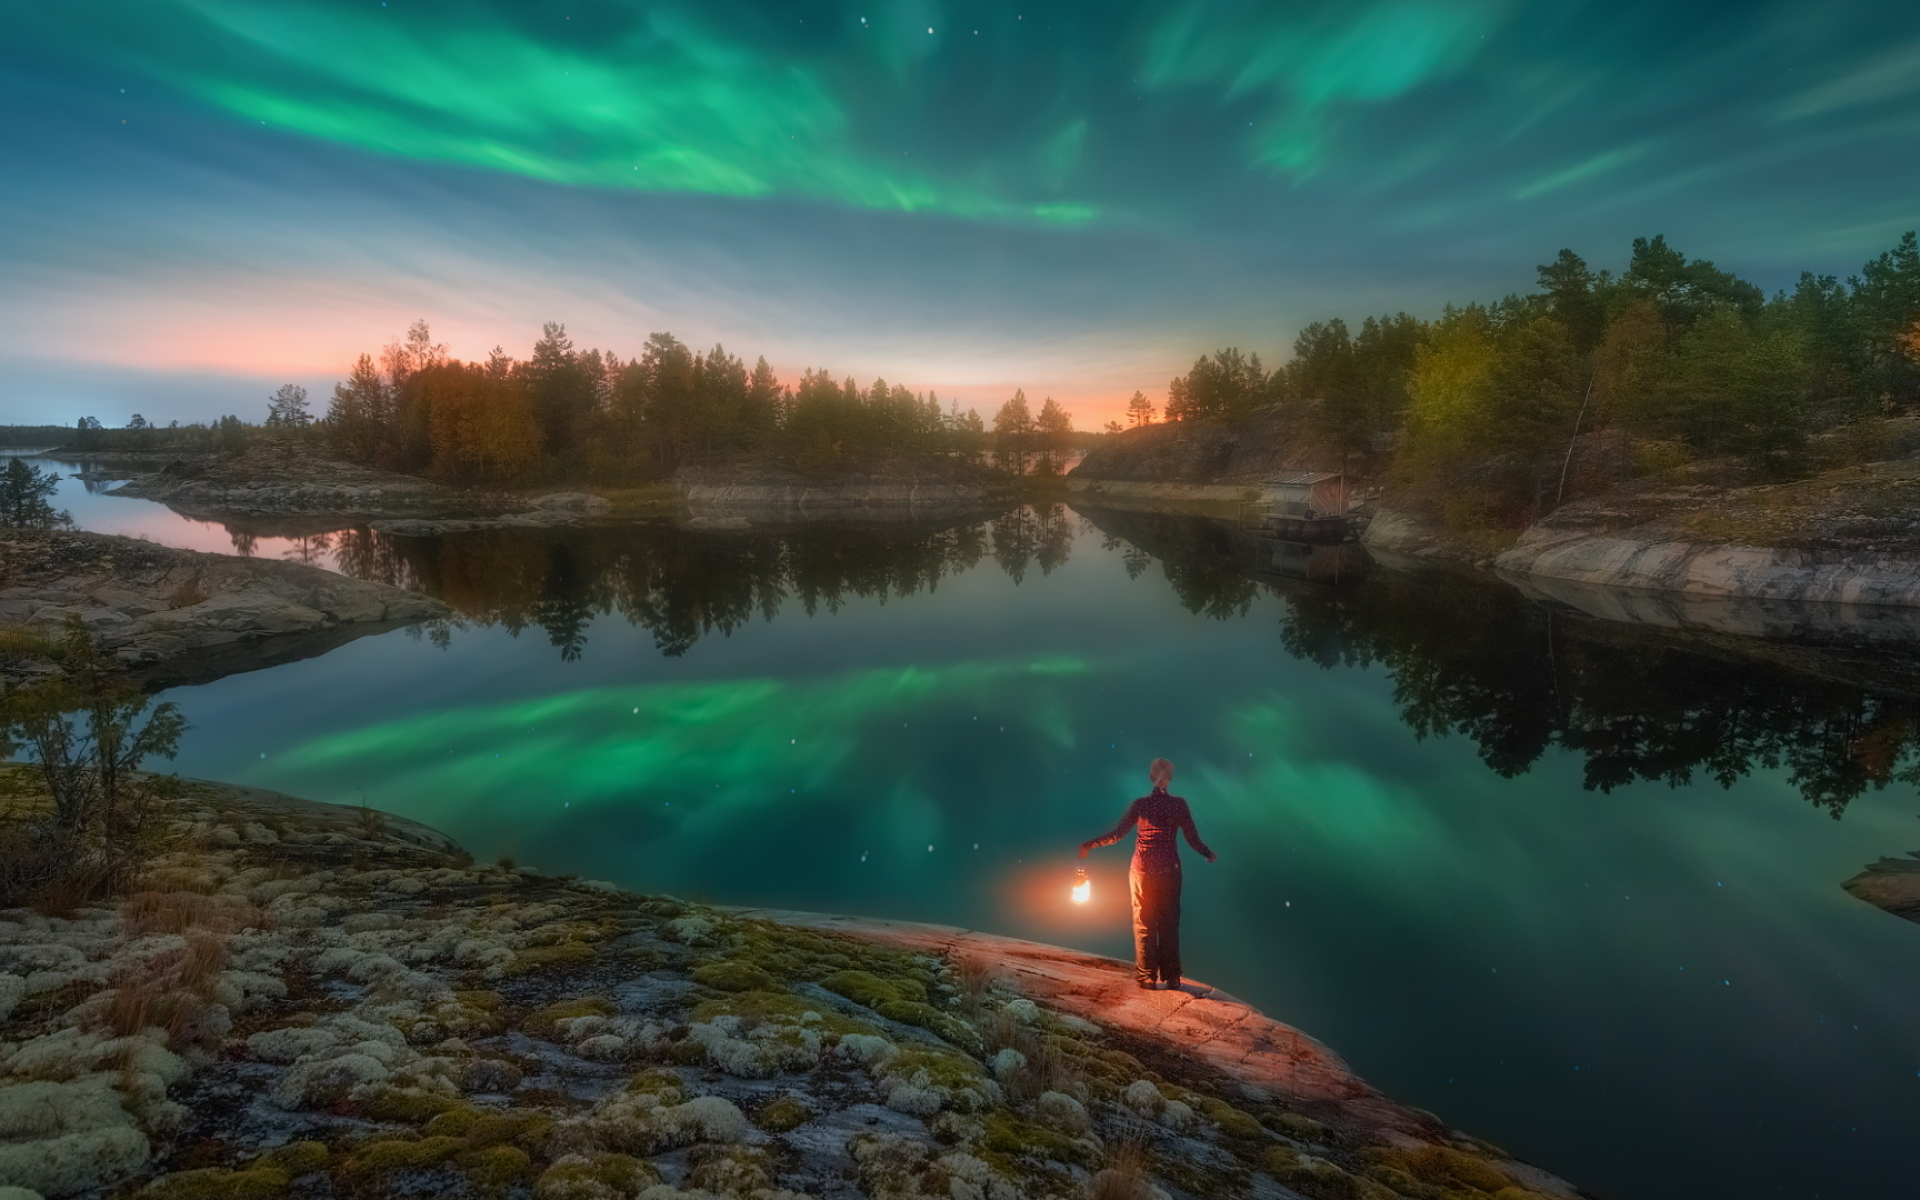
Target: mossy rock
x,y
592,1176
866,988
729,1170
526,1128
407,1107
296,1158
945,1026
392,1155
1010,1135
496,1167
549,958
1403,1184
783,1114
756,1007
216,1183
665,1084
453,1123
1445,1167
1320,1179
541,1022
1300,1126
732,975
1232,1122
484,1001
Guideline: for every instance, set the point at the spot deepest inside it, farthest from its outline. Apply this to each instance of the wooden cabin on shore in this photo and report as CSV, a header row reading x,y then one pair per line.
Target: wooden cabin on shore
x,y
1301,506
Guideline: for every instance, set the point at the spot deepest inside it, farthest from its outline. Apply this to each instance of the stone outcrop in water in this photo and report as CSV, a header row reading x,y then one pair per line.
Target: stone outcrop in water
x,y
284,480
158,609
1892,884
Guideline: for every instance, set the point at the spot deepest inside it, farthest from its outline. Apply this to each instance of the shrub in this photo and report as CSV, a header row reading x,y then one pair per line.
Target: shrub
x,y
88,739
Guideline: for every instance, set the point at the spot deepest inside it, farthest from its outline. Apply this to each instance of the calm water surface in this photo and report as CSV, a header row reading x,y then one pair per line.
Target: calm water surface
x,y
1658,991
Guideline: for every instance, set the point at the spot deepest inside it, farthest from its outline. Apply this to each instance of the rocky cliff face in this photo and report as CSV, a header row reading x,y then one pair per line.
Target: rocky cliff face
x,y
1844,537
1186,454
153,606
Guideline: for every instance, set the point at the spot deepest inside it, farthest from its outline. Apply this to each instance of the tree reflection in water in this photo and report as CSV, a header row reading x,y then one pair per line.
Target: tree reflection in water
x,y
682,584
1467,653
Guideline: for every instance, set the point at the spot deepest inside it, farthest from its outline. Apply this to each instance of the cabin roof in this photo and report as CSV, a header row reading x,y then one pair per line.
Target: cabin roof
x,y
1300,478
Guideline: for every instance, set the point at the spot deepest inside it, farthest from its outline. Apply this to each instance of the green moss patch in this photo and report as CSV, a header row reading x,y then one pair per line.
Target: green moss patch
x,y
542,1022
732,975
215,1183
583,1176
388,1156
407,1107
782,1114
866,988
1444,1167
496,1167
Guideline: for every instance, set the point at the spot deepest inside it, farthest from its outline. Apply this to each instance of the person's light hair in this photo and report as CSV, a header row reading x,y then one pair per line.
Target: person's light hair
x,y
1160,771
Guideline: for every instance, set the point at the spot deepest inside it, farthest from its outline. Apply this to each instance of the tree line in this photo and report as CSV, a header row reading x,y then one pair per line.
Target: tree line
x,y
563,412
1676,358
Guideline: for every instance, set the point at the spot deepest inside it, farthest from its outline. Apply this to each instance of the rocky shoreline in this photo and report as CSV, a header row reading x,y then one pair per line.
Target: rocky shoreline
x,y
318,1001
171,616
1890,884
725,498
1847,539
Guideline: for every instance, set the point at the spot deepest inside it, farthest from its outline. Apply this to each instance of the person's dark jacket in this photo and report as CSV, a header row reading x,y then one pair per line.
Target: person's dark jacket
x,y
1160,817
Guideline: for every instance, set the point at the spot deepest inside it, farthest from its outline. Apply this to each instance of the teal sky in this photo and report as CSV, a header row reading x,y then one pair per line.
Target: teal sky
x,y
208,197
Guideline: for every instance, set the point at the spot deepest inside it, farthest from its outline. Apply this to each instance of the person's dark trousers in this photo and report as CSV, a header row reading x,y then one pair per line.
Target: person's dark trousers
x,y
1156,926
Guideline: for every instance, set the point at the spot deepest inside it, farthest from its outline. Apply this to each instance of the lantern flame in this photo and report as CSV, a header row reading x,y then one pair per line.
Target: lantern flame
x,y
1082,887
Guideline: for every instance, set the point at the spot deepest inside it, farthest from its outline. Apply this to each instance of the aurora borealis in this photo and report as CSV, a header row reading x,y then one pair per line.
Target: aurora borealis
x,y
208,197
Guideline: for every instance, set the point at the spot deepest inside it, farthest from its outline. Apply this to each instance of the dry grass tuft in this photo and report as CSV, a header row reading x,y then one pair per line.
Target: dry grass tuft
x,y
180,910
187,594
22,643
1129,1162
974,976
370,822
169,992
1048,1068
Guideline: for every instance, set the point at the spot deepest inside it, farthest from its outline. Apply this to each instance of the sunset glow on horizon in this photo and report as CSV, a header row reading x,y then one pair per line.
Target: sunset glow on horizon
x,y
209,198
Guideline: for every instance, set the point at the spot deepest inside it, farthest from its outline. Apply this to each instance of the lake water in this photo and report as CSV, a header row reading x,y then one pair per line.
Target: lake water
x,y
1658,990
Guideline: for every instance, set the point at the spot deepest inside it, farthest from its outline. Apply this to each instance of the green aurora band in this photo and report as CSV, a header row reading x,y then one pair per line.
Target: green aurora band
x,y
732,746
669,106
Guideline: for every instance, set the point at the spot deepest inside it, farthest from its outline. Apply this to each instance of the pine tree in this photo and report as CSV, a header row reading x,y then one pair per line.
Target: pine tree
x,y
1013,432
1139,410
287,408
24,489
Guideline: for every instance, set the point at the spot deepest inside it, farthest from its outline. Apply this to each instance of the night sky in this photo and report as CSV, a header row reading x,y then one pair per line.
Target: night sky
x,y
201,199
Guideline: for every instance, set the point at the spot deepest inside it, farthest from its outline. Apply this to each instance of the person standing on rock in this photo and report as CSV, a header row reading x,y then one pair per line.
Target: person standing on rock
x,y
1156,875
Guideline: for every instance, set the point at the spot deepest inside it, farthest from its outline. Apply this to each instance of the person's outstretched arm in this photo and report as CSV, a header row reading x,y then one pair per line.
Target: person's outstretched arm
x,y
1193,834
1128,820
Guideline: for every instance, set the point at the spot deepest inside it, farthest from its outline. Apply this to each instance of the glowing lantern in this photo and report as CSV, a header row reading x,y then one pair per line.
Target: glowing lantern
x,y
1082,887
